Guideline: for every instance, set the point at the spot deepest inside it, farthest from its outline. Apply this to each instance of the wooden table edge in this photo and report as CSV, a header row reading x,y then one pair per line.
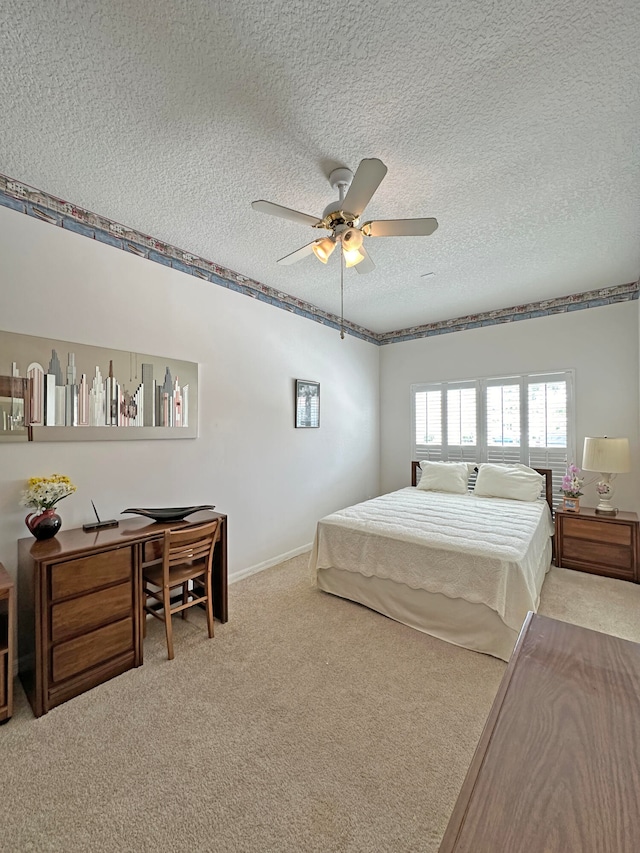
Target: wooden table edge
x,y
458,816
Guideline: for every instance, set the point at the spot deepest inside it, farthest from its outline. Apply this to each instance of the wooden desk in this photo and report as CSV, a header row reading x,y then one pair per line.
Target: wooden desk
x,y
557,769
79,619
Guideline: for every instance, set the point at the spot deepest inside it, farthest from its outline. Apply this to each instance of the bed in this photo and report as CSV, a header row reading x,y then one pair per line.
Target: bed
x,y
462,567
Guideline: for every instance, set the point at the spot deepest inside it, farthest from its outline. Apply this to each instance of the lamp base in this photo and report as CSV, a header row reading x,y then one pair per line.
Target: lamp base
x,y
605,507
604,491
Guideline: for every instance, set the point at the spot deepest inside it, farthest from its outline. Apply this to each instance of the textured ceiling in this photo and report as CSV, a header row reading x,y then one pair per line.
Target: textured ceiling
x,y
515,124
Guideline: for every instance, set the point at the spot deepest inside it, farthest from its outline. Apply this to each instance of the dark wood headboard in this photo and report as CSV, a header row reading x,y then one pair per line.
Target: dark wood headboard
x,y
546,473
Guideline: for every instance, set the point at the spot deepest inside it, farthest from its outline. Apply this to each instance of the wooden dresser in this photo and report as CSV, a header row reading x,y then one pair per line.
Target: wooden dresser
x,y
7,628
600,544
557,769
79,620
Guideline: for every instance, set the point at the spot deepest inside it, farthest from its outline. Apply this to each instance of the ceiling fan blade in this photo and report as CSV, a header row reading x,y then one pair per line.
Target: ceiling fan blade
x,y
284,212
366,181
367,265
298,255
400,227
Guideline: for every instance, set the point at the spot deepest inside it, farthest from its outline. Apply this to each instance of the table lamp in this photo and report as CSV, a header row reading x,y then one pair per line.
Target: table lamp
x,y
607,456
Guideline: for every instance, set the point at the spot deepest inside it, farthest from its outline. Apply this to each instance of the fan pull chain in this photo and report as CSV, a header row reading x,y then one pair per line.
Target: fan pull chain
x,y
341,188
341,297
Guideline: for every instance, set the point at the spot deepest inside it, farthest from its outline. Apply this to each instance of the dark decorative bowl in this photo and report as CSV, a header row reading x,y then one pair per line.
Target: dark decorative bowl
x,y
170,513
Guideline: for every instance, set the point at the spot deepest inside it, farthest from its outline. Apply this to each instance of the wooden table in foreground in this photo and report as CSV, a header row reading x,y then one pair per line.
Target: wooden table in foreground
x,y
557,769
79,619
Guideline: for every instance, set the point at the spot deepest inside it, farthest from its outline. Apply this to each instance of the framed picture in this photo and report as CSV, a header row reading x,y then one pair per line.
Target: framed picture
x,y
571,504
307,403
53,390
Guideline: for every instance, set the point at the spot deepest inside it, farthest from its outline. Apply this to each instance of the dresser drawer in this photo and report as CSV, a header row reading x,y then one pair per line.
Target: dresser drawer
x,y
89,573
152,550
598,543
597,554
595,531
3,678
74,656
79,615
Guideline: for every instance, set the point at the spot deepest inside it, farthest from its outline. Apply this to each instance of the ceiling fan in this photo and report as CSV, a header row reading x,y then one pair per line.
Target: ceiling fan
x,y
342,218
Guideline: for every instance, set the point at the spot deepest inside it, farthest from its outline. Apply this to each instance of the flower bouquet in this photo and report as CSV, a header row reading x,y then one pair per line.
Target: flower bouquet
x,y
45,492
571,488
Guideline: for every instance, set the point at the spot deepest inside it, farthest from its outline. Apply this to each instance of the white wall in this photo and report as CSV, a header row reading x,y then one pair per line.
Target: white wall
x,y
273,481
601,344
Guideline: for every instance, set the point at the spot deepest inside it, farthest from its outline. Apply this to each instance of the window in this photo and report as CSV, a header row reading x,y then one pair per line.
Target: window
x,y
526,419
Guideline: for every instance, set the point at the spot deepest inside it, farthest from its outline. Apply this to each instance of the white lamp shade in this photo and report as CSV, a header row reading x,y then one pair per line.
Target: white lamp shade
x,y
606,455
351,243
352,257
322,248
351,239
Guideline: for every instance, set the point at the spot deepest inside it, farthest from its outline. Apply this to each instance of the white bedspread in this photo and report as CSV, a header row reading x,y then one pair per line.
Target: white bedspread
x,y
486,550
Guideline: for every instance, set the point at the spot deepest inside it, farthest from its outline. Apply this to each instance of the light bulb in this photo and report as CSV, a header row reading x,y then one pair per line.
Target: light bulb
x,y
322,248
352,257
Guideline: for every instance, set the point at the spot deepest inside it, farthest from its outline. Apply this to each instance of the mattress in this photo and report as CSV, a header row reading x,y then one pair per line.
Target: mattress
x,y
487,551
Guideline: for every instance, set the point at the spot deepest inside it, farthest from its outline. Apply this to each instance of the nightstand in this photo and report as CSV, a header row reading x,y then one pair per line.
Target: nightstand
x,y
600,544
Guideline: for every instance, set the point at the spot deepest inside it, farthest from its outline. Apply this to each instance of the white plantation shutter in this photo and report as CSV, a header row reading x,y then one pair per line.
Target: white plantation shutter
x,y
550,425
462,423
527,419
445,423
503,420
462,426
428,423
547,403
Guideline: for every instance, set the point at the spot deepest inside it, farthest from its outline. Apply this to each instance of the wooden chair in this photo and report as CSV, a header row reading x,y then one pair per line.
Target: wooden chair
x,y
186,559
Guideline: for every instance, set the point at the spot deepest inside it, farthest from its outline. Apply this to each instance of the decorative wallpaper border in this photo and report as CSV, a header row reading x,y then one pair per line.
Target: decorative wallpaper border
x,y
54,211
560,305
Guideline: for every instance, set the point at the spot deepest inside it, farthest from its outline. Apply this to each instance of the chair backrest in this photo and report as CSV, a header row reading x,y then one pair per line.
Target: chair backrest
x,y
190,545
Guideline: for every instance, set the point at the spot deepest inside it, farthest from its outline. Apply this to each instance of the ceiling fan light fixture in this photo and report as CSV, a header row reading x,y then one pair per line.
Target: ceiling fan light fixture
x,y
352,257
323,248
351,239
342,218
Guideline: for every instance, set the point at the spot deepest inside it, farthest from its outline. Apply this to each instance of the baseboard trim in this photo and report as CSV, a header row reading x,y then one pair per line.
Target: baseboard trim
x,y
260,567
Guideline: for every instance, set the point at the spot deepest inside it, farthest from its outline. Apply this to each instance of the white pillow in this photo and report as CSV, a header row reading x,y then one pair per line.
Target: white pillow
x,y
517,482
444,477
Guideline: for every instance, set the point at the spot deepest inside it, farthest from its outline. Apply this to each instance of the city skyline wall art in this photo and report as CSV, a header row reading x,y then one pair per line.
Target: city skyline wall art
x,y
80,392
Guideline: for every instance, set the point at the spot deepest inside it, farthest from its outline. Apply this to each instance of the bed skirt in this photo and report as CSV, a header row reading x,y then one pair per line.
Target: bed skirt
x,y
472,626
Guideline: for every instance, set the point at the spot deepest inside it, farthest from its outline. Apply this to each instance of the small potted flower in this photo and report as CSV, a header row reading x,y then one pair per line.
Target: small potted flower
x,y
571,488
42,494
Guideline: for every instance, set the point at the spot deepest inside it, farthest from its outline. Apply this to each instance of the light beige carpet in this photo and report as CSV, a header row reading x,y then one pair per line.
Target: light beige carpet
x,y
308,724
